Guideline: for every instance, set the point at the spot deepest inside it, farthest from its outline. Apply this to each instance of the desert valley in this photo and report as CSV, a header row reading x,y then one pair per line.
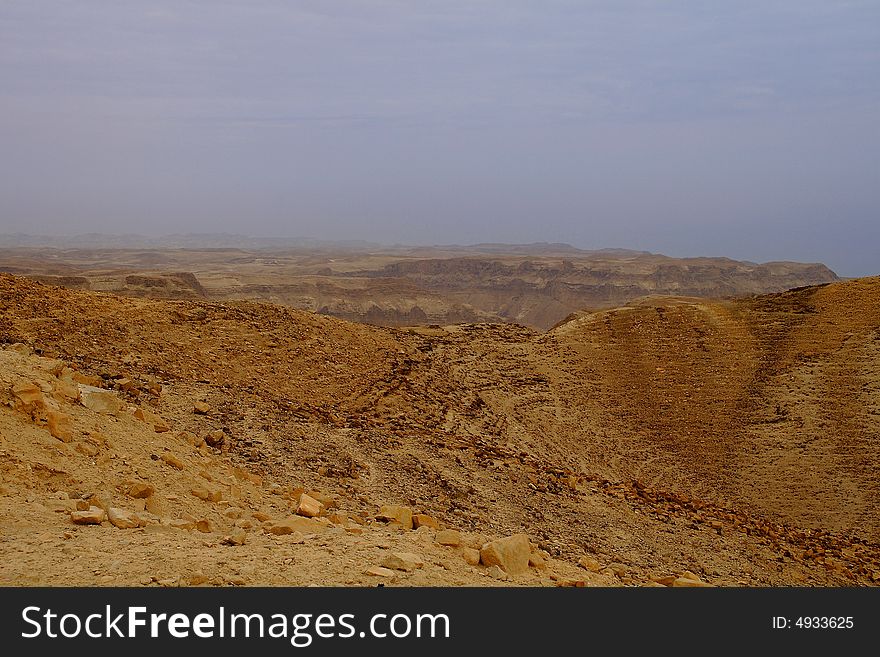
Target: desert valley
x,y
480,415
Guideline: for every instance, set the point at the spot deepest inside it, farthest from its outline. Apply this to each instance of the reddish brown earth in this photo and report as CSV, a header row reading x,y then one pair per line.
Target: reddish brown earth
x,y
735,439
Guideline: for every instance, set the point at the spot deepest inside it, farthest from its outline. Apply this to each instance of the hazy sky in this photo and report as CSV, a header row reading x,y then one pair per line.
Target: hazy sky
x,y
714,127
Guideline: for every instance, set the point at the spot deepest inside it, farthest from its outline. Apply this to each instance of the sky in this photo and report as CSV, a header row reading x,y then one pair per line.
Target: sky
x,y
748,129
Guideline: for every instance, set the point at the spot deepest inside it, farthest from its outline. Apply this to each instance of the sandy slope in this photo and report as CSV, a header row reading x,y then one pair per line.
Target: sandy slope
x,y
737,440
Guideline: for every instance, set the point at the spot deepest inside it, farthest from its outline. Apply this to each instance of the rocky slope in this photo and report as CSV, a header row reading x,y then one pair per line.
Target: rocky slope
x,y
676,438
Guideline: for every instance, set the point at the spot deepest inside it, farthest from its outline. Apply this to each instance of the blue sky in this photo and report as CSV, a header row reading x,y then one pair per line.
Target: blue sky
x,y
746,129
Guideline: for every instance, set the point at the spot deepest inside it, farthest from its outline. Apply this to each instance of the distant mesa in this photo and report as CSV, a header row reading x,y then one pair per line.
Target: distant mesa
x,y
537,285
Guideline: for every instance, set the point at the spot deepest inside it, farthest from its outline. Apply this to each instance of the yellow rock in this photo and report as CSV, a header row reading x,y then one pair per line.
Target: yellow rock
x,y
423,520
589,563
511,554
400,514
60,425
309,507
121,518
173,461
406,561
450,537
140,490
93,516
471,556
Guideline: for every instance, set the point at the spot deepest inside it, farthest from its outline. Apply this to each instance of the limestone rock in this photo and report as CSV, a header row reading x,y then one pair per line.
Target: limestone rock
x,y
471,556
205,526
450,537
99,400
511,554
60,425
155,504
93,516
29,395
423,520
589,563
496,572
406,561
121,518
537,560
173,461
295,524
215,438
140,490
309,506
328,501
65,389
401,515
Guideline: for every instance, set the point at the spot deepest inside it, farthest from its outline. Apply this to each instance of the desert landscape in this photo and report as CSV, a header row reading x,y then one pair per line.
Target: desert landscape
x,y
536,285
537,416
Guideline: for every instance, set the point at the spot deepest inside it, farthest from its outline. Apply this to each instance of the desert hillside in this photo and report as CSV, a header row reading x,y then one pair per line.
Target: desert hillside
x,y
674,440
533,285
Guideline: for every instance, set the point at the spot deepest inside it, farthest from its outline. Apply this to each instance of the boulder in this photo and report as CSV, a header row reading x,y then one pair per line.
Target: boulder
x,y
401,515
99,400
405,561
93,516
295,524
65,388
450,537
205,526
60,425
215,438
201,408
589,563
140,490
471,556
28,395
537,560
121,518
309,507
173,461
379,571
424,520
511,554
